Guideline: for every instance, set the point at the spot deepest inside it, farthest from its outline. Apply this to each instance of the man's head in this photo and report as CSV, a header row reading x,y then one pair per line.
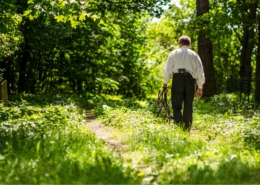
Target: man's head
x,y
184,40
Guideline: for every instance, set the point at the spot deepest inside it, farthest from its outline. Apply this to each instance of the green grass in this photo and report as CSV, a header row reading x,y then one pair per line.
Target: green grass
x,y
44,140
222,148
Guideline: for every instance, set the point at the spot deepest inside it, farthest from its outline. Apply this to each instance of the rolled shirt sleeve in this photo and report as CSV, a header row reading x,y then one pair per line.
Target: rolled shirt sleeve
x,y
200,73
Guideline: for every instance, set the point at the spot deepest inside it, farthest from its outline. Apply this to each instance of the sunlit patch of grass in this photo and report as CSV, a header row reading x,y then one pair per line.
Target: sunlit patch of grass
x,y
48,143
222,146
50,140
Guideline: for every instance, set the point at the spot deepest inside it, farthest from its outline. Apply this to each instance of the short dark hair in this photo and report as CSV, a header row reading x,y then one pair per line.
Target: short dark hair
x,y
185,40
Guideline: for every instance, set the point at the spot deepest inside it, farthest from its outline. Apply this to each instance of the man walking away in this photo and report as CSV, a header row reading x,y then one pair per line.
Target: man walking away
x,y
185,66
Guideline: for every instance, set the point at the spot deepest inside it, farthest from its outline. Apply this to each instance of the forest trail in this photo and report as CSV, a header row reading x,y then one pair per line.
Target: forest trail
x,y
102,132
105,133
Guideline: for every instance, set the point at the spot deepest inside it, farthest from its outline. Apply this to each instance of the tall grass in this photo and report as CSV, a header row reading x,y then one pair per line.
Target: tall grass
x,y
222,147
44,140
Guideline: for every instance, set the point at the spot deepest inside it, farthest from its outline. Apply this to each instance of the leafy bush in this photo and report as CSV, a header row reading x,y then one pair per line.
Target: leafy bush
x,y
252,136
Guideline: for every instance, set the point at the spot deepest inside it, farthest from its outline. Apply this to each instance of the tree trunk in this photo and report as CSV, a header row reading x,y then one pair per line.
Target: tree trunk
x,y
7,75
22,5
257,73
247,42
79,85
205,52
22,69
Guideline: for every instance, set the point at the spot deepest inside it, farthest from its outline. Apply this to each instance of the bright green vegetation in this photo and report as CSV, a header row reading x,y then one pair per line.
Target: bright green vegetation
x,y
118,47
223,146
44,139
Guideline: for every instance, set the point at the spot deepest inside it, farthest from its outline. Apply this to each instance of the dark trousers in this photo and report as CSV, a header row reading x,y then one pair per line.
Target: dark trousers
x,y
182,93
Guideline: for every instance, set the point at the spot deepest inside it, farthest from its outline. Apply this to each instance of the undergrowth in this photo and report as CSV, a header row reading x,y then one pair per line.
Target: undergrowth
x,y
222,147
44,140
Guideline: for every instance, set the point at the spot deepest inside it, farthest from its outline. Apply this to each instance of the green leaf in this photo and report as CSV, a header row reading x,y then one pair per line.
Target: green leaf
x,y
27,12
82,16
74,24
30,2
38,146
59,18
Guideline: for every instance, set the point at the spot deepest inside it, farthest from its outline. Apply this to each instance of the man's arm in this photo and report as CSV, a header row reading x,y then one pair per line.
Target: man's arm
x,y
199,93
200,78
167,71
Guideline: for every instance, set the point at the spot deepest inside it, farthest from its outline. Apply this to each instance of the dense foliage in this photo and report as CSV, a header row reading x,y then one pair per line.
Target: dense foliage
x,y
10,36
118,47
75,46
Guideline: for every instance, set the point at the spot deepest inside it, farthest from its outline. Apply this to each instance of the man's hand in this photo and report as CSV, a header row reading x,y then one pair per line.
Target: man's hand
x,y
199,93
165,88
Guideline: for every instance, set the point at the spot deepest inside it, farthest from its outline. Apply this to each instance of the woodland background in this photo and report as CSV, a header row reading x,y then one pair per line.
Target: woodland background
x,y
81,69
118,47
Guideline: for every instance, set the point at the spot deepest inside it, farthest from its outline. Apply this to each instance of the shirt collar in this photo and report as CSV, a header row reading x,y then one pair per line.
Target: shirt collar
x,y
185,47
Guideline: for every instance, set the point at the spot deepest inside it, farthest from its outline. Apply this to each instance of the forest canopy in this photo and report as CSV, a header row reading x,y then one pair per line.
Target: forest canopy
x,y
117,47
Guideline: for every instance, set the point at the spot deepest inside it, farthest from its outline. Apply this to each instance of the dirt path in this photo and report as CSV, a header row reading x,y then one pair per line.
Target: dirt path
x,y
106,134
102,132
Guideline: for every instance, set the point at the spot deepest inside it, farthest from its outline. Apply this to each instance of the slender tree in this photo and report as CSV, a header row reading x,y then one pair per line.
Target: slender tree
x,y
205,50
257,72
248,39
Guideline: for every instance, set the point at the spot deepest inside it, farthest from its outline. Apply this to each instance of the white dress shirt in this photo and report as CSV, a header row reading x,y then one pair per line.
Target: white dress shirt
x,y
187,59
